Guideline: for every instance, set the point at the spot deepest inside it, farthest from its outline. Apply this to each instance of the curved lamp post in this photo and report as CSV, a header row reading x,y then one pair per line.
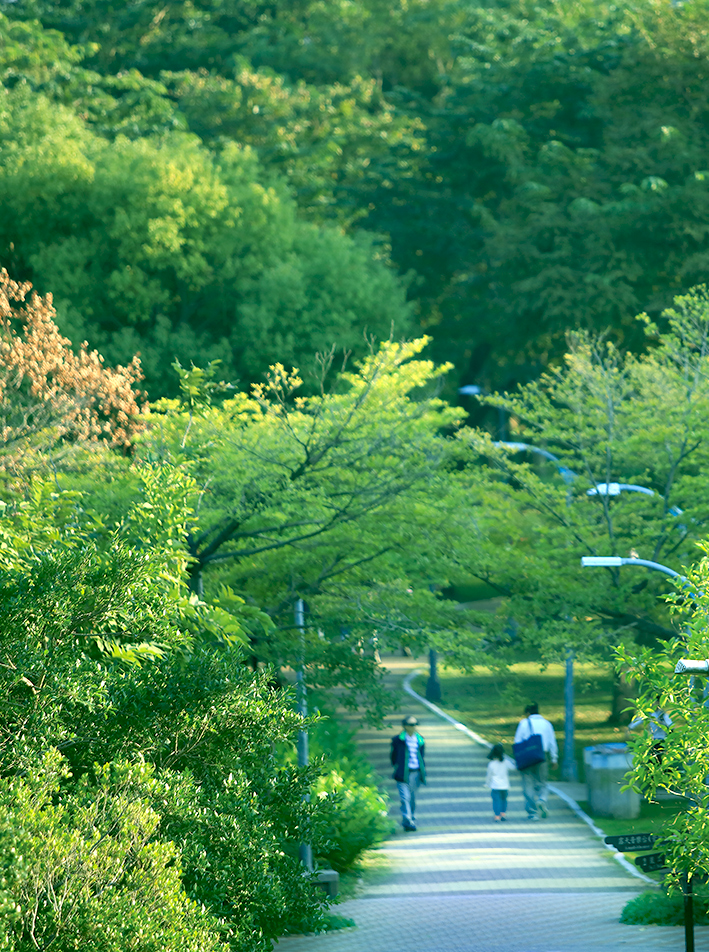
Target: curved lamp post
x,y
568,766
568,475
613,561
615,489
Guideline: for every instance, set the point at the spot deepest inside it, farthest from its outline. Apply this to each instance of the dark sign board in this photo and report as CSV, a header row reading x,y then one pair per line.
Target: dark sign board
x,y
651,862
632,842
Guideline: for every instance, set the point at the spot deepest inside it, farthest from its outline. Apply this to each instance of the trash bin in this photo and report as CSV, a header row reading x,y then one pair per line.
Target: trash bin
x,y
606,766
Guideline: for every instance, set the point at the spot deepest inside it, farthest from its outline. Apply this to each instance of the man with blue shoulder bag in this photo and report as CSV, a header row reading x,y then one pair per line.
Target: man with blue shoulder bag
x,y
534,747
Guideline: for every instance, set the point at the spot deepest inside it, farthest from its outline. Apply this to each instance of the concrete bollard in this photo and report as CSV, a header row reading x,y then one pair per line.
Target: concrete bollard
x,y
328,880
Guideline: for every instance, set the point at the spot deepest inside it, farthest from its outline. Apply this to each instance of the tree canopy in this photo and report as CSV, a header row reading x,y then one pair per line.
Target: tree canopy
x,y
158,247
526,168
629,438
341,498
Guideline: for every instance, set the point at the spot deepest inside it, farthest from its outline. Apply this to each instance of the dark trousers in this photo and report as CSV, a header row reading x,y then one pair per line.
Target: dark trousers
x,y
499,801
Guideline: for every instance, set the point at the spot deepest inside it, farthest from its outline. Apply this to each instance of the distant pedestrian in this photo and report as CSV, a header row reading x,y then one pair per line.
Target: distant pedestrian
x,y
407,753
534,778
498,781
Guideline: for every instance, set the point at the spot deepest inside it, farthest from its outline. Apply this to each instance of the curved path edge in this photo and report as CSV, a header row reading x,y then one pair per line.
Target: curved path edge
x,y
569,801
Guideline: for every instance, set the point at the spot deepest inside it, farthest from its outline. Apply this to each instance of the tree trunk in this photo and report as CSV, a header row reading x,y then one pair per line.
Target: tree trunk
x,y
623,693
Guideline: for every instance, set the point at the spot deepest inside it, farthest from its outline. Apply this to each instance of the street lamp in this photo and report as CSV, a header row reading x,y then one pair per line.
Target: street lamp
x,y
568,766
615,489
687,666
614,561
568,475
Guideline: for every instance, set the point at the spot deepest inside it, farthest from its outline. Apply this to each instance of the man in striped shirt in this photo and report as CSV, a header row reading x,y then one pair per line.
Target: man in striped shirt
x,y
407,752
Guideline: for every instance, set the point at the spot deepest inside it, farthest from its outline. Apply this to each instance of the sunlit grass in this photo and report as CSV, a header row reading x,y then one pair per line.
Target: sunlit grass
x,y
493,705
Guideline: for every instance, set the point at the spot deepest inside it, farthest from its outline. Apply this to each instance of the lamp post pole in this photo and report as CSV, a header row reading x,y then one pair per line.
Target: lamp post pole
x,y
569,770
433,685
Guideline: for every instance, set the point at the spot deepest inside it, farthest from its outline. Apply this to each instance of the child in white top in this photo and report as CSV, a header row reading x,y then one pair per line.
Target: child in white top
x,y
498,780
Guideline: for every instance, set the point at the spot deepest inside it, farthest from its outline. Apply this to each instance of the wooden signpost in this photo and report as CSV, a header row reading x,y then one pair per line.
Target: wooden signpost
x,y
652,863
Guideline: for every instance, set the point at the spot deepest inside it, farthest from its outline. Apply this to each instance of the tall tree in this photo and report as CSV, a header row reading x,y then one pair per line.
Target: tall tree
x,y
342,499
610,419
158,247
50,394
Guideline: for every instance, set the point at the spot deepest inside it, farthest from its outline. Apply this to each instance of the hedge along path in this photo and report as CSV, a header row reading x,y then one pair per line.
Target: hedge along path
x,y
463,883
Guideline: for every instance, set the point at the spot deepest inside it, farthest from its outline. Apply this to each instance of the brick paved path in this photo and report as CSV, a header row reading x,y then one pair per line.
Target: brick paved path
x,y
464,883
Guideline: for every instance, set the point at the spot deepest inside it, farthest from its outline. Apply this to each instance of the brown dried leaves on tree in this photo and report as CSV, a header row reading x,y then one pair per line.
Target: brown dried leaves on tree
x,y
49,393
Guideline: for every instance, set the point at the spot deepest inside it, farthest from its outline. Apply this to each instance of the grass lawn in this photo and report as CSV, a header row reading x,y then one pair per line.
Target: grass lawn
x,y
493,706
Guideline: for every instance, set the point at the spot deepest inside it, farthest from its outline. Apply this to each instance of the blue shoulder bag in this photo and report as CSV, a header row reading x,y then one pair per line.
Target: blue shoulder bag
x,y
529,752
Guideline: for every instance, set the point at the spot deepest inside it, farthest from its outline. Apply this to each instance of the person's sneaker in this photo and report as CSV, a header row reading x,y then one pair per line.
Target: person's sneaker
x,y
533,817
543,810
503,819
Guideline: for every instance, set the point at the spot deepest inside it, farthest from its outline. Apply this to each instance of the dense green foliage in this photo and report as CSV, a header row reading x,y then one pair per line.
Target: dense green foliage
x,y
243,185
359,819
147,798
345,499
681,764
610,419
534,167
157,246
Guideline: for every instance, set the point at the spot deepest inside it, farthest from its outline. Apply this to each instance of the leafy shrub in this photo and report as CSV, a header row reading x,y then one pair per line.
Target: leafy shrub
x,y
659,909
82,869
235,810
354,809
193,815
357,822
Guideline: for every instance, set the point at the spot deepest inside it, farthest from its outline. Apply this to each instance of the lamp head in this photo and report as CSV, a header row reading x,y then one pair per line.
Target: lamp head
x,y
687,666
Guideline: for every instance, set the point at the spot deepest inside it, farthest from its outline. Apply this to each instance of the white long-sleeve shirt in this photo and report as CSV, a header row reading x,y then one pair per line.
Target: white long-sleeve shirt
x,y
540,725
498,775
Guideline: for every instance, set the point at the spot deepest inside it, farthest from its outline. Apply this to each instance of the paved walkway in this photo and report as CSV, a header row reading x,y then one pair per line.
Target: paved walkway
x,y
463,883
